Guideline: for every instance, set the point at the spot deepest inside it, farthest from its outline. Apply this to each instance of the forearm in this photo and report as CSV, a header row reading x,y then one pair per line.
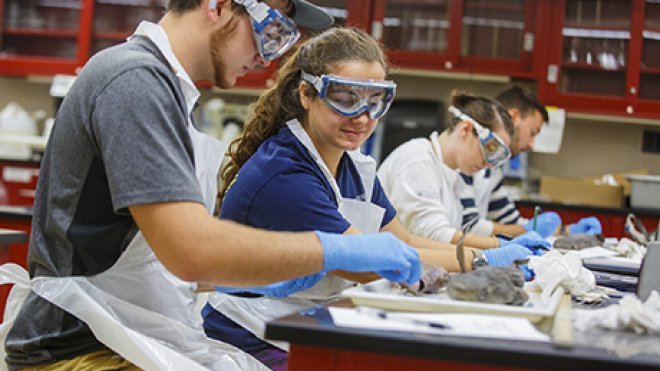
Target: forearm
x,y
196,247
479,242
251,257
357,277
428,244
512,230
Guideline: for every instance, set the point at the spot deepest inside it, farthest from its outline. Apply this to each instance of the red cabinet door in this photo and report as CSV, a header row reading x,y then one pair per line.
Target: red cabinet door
x,y
648,98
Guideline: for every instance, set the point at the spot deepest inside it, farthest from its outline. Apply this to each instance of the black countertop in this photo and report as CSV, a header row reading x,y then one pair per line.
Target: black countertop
x,y
595,350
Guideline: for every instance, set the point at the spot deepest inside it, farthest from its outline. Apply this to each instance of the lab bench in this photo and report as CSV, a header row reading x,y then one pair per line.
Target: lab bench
x,y
317,344
612,219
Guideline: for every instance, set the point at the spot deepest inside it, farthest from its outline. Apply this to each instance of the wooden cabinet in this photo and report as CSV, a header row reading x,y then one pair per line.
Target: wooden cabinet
x,y
479,36
603,57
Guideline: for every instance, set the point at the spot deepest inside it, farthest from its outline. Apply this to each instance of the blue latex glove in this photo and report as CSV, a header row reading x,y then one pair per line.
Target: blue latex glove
x,y
507,255
590,225
382,253
278,289
546,223
532,241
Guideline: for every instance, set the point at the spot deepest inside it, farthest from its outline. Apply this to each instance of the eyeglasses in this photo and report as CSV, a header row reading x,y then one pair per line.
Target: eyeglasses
x,y
493,148
350,97
274,33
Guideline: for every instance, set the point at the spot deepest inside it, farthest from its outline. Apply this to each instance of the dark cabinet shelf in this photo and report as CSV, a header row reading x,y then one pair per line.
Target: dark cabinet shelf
x,y
40,32
648,70
613,26
592,67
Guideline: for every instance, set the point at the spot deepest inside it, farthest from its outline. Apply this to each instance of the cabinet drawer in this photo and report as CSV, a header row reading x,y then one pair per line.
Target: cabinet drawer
x,y
19,183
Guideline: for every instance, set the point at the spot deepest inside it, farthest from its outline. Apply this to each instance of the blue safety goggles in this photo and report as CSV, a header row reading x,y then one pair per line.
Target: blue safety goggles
x,y
493,148
274,33
350,97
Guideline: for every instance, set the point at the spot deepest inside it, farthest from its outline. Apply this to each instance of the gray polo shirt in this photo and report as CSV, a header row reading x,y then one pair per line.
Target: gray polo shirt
x,y
120,138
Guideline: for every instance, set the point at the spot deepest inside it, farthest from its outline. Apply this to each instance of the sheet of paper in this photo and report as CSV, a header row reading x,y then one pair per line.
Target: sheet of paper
x,y
456,324
549,138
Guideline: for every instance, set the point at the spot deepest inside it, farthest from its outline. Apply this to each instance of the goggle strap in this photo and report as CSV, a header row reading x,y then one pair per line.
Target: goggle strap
x,y
482,132
316,82
257,11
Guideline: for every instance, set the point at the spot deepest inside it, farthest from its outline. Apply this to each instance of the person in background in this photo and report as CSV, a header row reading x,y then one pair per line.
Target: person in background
x,y
422,176
298,167
491,204
122,230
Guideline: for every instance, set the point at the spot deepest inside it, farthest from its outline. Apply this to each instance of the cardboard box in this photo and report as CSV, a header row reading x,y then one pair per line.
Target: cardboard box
x,y
581,191
620,178
645,191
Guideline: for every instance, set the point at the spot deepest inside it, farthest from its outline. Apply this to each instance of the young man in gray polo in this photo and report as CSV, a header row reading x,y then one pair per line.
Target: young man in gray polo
x,y
122,231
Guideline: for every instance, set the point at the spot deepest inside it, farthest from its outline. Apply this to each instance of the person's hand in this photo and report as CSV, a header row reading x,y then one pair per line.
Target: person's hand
x,y
381,253
589,225
278,289
546,223
508,255
532,241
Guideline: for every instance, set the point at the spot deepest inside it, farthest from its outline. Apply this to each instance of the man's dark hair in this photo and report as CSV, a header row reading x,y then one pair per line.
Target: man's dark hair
x,y
522,99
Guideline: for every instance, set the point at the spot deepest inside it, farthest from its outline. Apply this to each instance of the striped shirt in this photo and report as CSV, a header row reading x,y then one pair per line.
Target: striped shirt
x,y
490,198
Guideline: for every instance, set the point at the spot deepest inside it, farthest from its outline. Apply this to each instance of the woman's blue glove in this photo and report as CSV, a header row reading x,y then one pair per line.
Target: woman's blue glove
x,y
589,225
532,241
381,253
546,223
278,289
507,255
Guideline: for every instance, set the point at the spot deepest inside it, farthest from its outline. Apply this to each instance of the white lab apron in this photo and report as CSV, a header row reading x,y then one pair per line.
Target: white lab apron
x,y
137,308
253,313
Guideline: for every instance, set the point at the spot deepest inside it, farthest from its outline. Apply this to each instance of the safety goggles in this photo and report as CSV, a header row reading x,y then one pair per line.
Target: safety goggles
x,y
274,33
493,148
350,97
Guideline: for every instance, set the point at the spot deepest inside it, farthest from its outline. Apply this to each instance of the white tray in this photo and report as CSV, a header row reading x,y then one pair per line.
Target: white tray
x,y
382,294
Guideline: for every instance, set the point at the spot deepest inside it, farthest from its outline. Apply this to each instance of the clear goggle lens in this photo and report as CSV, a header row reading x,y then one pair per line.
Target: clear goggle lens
x,y
494,150
275,35
353,97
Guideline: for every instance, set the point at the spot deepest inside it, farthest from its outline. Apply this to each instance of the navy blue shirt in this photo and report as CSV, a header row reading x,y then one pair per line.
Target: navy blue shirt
x,y
282,188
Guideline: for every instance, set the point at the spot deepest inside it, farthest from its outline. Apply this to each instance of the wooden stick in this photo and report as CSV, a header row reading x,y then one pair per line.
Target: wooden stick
x,y
562,328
